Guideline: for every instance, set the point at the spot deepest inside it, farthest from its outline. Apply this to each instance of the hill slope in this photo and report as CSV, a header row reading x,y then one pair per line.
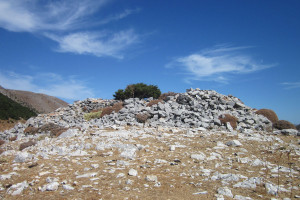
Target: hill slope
x,y
40,103
11,109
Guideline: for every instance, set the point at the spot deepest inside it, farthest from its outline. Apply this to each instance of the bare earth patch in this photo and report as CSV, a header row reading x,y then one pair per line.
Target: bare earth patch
x,y
181,164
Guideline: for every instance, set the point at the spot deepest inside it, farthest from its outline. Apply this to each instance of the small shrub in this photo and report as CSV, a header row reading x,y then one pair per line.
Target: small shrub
x,y
154,102
13,138
141,118
270,114
229,118
92,115
283,124
2,142
26,144
115,108
165,95
138,90
31,130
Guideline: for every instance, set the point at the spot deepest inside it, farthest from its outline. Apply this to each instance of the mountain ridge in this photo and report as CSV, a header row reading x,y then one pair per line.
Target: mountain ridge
x,y
40,103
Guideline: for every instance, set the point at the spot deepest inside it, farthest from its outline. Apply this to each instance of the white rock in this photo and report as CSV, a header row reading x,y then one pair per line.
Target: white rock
x,y
225,191
172,148
257,162
229,127
68,187
68,133
18,188
234,143
271,189
95,166
22,157
51,179
200,156
132,172
120,175
93,174
151,178
52,186
239,197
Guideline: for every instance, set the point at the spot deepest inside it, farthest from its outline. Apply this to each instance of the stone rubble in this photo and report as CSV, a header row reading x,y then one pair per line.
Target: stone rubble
x,y
183,151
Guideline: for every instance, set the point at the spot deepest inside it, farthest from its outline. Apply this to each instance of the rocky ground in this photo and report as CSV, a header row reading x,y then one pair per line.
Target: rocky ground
x,y
169,157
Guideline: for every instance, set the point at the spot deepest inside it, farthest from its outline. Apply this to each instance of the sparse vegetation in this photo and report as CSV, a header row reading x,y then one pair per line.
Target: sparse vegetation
x,y
2,142
298,127
154,102
13,110
283,124
115,108
26,144
165,95
229,118
270,114
13,138
92,115
54,129
139,90
142,118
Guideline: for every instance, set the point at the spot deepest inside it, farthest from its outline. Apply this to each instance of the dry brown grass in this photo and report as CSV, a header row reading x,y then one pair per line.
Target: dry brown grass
x,y
54,129
8,124
115,108
26,144
141,118
13,138
2,142
283,124
154,102
165,95
229,118
270,114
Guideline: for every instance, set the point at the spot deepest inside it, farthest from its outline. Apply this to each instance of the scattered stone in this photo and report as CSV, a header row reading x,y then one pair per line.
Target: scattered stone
x,y
198,157
151,178
225,191
234,143
22,157
18,188
132,172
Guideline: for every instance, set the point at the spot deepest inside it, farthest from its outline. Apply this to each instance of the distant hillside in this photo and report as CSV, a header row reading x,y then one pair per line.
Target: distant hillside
x,y
10,109
40,103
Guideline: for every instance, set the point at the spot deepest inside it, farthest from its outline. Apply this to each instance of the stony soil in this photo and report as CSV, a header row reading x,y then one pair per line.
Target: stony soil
x,y
152,163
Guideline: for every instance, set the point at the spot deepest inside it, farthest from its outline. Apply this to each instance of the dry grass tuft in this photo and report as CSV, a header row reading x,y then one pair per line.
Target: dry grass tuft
x,y
229,118
26,144
2,142
270,114
115,108
13,138
165,95
154,102
55,130
141,118
283,124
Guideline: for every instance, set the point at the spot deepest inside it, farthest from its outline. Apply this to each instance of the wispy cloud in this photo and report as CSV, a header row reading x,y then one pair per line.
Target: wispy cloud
x,y
99,44
291,85
52,84
216,63
63,22
34,16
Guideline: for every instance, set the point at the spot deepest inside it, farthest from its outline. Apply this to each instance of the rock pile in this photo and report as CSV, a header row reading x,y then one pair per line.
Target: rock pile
x,y
193,109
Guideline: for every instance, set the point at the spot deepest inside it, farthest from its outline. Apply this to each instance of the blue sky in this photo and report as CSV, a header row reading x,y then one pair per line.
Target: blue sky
x,y
74,49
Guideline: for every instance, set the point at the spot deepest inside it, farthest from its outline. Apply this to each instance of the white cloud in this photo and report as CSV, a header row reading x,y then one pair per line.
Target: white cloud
x,y
54,19
291,85
96,43
48,83
215,64
34,16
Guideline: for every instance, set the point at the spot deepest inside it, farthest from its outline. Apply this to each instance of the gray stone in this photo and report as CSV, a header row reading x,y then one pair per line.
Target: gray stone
x,y
18,188
200,156
132,172
225,191
151,178
234,143
22,157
